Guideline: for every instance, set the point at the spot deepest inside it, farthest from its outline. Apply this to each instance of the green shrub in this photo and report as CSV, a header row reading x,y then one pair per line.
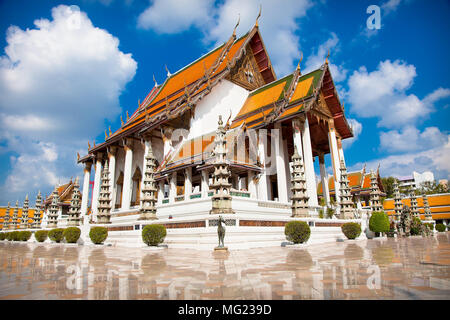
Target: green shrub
x,y
330,213
297,231
72,234
321,214
352,230
430,226
9,236
440,227
41,235
416,226
15,235
98,235
153,234
24,235
379,222
56,234
2,235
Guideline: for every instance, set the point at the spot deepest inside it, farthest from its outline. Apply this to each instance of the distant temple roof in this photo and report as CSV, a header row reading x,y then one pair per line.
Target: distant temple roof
x,y
64,192
359,182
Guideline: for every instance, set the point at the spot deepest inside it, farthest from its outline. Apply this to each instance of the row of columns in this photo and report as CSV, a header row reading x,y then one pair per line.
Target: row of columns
x,y
301,139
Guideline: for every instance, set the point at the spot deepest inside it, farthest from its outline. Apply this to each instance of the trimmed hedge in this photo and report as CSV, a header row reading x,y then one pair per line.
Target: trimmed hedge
x,y
440,227
297,231
98,235
72,234
379,222
41,235
2,235
24,235
15,236
56,234
351,230
153,234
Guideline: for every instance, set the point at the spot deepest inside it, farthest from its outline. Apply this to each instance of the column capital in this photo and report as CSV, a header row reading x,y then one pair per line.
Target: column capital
x,y
98,156
128,144
87,166
331,125
112,150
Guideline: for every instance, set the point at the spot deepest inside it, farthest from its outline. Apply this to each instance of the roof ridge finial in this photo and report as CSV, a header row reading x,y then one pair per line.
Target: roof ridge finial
x,y
121,121
110,133
128,116
154,80
235,27
168,72
299,61
259,15
328,56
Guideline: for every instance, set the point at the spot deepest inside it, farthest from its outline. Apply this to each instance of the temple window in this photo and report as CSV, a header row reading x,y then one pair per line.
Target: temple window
x,y
119,184
136,194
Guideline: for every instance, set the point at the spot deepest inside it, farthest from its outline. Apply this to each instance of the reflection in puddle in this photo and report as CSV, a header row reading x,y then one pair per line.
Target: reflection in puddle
x,y
376,269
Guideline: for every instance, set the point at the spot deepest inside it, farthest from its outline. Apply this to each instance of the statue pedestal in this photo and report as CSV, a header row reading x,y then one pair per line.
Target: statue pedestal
x,y
221,249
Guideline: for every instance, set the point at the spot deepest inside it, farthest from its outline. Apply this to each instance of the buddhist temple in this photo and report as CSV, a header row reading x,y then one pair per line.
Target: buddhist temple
x,y
222,133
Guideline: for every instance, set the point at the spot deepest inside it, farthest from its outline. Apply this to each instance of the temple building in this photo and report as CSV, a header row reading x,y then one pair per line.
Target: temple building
x,y
18,222
222,133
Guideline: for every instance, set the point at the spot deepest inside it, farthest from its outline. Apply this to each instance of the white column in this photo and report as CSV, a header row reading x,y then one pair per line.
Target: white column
x,y
340,150
264,181
173,187
324,179
281,164
188,183
334,159
85,196
309,165
112,173
147,145
160,191
251,184
205,184
96,190
126,192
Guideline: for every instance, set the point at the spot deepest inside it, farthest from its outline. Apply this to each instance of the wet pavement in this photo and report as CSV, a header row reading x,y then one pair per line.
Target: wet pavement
x,y
411,268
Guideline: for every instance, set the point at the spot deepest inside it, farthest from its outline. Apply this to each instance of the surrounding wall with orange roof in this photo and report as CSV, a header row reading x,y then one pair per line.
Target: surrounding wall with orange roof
x,y
439,205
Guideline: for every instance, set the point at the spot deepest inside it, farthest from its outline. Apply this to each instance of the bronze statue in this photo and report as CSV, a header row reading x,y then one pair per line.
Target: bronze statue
x,y
221,231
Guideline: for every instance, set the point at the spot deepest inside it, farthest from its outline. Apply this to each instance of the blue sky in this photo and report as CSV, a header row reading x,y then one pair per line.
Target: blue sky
x,y
63,81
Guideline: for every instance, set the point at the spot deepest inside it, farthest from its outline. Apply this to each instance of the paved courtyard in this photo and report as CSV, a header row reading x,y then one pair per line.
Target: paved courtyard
x,y
413,268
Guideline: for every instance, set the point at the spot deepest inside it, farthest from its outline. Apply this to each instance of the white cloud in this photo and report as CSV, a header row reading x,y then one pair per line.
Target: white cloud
x,y
173,16
278,23
317,58
411,139
382,94
390,6
357,129
58,83
436,160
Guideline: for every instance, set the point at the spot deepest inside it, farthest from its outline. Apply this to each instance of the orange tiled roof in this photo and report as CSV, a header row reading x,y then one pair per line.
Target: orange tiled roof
x,y
354,182
441,201
261,102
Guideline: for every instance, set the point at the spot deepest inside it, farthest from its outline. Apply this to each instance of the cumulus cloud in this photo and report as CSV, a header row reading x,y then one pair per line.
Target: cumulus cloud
x,y
411,139
382,94
436,160
278,23
173,16
317,58
58,83
357,129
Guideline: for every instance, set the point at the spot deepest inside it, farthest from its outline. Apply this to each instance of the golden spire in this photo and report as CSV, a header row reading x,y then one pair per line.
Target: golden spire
x,y
94,143
110,133
106,135
121,120
139,102
299,62
328,56
234,31
259,15
89,145
128,117
78,156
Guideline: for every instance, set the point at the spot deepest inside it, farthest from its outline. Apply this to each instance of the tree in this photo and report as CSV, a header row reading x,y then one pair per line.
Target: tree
x,y
388,185
429,187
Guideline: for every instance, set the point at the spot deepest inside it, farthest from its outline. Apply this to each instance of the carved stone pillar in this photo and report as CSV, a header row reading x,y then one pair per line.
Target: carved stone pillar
x,y
127,183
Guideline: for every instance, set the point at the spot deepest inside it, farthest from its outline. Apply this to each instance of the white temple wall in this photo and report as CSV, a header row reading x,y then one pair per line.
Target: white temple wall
x,y
224,97
158,149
